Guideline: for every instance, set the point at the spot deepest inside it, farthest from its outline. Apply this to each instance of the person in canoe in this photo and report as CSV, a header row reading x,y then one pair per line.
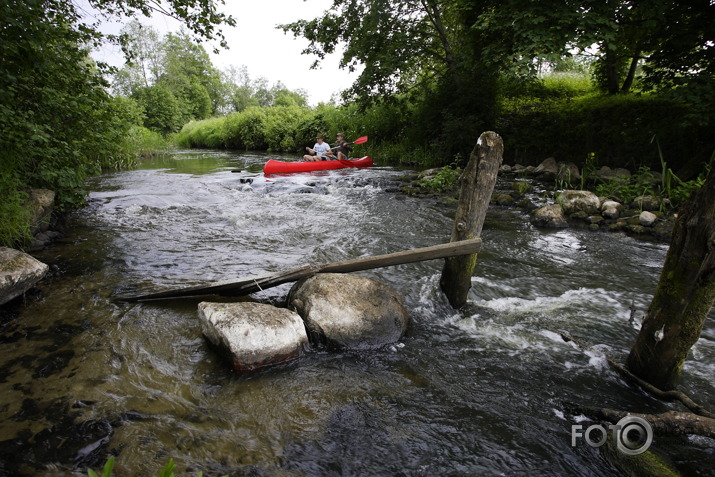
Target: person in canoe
x,y
342,147
320,152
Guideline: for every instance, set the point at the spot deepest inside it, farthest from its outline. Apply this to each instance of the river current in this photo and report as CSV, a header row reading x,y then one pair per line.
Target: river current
x,y
476,392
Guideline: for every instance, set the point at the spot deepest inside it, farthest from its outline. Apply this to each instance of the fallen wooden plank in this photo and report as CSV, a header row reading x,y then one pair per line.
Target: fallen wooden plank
x,y
246,286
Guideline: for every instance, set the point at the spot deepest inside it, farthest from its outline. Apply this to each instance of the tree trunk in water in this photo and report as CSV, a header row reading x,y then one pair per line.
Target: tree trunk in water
x,y
684,296
476,185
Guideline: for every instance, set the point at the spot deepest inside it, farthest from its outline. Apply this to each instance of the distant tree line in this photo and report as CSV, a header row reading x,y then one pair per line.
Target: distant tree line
x,y
173,81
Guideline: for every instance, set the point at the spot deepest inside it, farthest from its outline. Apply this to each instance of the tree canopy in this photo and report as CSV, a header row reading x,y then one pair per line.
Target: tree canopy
x,y
454,57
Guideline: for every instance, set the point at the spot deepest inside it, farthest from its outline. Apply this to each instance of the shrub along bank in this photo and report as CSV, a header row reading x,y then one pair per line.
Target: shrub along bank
x,y
616,131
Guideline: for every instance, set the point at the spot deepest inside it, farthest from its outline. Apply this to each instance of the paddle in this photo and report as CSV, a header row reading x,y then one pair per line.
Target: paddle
x,y
359,140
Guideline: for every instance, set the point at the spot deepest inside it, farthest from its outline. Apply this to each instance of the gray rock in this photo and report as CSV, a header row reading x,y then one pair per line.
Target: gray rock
x,y
647,219
646,202
18,273
550,216
611,209
606,172
578,201
344,311
253,335
548,168
569,172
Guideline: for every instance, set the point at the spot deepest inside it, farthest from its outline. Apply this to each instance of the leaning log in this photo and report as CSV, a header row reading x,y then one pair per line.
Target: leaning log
x,y
684,295
249,285
476,186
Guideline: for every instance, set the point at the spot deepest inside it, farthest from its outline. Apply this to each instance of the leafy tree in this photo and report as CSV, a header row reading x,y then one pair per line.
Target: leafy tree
x,y
58,122
237,90
181,67
162,111
144,66
412,50
399,43
187,67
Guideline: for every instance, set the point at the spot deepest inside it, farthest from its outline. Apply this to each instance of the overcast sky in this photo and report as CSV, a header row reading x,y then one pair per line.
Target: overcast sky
x,y
266,51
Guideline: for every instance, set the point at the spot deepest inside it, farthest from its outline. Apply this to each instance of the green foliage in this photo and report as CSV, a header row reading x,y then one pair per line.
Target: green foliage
x,y
672,187
566,85
246,130
618,129
15,223
445,179
671,192
162,110
281,127
142,142
208,133
626,189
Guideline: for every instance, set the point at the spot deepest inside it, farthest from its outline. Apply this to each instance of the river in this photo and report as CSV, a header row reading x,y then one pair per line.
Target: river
x,y
475,392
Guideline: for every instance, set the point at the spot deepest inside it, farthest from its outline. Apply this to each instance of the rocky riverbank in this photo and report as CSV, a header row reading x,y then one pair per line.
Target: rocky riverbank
x,y
547,195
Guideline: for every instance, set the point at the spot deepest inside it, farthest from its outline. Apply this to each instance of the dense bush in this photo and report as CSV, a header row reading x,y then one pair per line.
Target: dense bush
x,y
208,133
618,129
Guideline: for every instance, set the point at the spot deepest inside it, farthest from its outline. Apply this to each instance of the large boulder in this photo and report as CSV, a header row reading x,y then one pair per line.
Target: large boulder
x,y
550,216
253,335
344,311
574,201
18,273
548,169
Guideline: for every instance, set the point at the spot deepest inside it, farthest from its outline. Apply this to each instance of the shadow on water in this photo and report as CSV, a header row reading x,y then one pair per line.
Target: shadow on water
x,y
475,392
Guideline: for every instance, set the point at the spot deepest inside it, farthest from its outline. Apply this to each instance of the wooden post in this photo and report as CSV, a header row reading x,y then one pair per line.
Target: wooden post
x,y
684,296
476,186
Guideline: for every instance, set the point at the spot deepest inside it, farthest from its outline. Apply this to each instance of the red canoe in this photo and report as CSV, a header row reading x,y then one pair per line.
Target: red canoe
x,y
280,167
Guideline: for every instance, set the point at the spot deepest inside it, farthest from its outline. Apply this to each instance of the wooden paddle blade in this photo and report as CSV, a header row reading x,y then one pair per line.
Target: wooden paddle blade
x,y
360,140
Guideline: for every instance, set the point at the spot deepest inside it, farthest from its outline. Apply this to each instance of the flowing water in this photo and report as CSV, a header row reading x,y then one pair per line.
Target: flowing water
x,y
475,392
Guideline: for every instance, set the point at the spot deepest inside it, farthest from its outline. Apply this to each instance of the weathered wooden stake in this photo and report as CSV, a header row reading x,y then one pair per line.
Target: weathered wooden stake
x,y
684,296
476,186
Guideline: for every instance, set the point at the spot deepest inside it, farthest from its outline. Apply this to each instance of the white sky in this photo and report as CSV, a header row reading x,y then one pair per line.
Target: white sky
x,y
265,51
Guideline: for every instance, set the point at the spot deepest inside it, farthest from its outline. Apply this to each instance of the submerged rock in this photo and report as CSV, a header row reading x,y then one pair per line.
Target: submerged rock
x,y
253,335
18,273
344,311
